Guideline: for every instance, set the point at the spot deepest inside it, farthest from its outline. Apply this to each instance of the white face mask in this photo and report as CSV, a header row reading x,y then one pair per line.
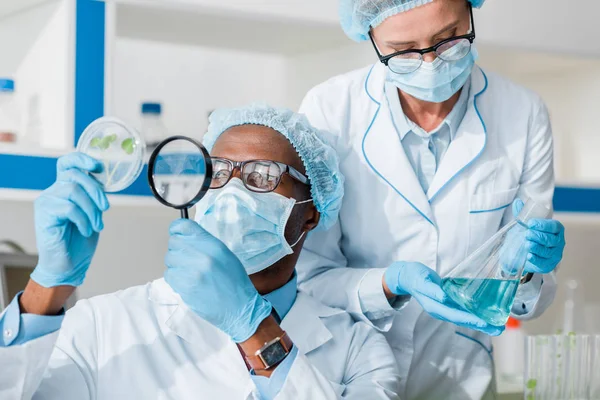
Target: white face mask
x,y
434,82
252,225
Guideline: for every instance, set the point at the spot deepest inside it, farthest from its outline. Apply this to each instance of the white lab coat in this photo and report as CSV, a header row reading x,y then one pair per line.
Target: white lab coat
x,y
143,343
502,150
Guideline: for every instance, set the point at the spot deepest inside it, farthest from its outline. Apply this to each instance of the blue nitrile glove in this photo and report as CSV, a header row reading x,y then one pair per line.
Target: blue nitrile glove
x,y
68,218
424,284
545,241
212,281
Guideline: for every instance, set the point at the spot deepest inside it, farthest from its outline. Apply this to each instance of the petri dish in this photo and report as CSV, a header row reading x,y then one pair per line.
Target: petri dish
x,y
119,147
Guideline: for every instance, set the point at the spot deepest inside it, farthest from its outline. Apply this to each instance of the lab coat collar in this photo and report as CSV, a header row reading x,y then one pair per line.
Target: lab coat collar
x,y
469,142
303,321
161,293
283,299
405,125
383,151
385,154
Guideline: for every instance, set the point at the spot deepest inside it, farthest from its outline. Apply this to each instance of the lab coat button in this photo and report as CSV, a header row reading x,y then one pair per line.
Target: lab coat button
x,y
7,333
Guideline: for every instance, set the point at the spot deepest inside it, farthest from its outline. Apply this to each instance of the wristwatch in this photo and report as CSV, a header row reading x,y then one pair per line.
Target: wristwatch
x,y
526,278
271,354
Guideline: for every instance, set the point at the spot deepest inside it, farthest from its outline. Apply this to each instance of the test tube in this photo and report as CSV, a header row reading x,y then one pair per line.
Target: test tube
x,y
594,389
539,352
562,367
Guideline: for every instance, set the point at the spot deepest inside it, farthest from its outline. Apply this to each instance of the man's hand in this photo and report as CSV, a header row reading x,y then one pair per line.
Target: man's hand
x,y
68,219
212,281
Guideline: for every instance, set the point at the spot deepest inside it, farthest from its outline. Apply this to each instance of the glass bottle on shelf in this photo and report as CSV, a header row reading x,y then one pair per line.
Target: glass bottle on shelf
x,y
153,129
9,112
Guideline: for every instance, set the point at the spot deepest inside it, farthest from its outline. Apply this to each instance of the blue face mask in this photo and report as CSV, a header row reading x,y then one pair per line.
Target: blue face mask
x,y
251,225
434,82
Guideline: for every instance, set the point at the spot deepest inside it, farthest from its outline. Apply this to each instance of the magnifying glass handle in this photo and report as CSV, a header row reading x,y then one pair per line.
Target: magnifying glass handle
x,y
184,213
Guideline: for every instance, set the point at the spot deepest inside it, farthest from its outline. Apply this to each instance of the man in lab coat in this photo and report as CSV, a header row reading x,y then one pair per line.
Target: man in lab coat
x,y
435,151
226,321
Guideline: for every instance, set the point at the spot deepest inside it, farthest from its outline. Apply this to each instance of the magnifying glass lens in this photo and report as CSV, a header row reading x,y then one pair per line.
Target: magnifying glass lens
x,y
179,172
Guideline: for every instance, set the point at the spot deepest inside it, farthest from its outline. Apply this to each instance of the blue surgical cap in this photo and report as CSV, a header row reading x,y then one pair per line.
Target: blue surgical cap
x,y
319,158
358,16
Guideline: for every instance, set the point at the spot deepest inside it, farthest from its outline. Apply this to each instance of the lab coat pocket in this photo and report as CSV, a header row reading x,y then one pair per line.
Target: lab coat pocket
x,y
485,214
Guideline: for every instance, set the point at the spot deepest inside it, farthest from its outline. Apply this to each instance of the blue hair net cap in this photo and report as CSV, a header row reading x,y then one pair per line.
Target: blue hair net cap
x,y
358,16
318,156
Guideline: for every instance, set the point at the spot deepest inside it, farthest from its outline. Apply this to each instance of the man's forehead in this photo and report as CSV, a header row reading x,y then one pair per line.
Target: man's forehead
x,y
253,142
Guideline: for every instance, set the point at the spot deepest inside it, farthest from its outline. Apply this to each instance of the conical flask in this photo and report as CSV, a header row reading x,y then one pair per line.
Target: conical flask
x,y
486,282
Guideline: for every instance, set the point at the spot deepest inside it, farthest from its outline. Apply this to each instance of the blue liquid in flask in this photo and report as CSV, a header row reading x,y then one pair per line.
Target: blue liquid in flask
x,y
489,299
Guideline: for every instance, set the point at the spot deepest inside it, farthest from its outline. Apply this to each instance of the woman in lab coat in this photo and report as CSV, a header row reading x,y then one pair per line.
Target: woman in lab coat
x,y
435,150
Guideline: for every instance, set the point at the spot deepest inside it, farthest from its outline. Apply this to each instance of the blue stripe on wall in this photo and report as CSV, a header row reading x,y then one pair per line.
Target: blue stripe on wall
x,y
89,63
570,199
24,172
38,173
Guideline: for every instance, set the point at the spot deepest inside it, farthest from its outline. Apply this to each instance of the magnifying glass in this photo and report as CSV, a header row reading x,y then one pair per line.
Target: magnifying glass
x,y
179,173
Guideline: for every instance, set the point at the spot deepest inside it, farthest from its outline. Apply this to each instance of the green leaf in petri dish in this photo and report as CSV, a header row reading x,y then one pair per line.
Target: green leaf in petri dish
x,y
96,142
128,145
531,384
104,143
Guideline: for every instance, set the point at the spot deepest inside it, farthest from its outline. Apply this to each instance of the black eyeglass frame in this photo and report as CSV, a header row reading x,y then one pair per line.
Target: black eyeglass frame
x,y
285,169
433,49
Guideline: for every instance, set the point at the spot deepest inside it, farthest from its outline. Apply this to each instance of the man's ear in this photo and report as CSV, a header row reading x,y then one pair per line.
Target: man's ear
x,y
312,218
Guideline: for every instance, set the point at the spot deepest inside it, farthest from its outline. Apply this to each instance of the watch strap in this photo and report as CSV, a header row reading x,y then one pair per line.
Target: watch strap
x,y
255,361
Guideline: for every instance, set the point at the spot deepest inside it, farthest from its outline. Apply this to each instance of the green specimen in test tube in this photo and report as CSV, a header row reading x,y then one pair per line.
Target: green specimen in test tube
x,y
531,384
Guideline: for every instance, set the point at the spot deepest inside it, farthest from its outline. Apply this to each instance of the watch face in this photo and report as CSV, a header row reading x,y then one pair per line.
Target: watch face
x,y
273,354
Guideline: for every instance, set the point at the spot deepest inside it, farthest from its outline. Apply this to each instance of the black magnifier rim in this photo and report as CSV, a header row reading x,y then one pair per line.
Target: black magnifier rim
x,y
207,176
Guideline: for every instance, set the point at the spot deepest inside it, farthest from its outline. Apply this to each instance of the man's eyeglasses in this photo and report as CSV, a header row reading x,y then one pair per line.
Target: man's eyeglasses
x,y
451,49
260,176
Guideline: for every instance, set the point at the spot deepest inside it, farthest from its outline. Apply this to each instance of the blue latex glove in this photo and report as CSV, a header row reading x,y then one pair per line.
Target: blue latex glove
x,y
212,281
545,242
424,284
68,218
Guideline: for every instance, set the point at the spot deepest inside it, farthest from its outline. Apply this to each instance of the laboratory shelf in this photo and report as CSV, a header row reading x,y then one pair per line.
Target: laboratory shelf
x,y
31,150
23,177
114,200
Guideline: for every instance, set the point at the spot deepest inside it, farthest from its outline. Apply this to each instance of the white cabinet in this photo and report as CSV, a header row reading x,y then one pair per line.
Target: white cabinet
x,y
37,42
195,56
